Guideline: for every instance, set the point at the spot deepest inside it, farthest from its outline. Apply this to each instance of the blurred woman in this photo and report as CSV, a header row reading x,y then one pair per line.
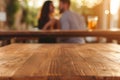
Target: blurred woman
x,y
47,21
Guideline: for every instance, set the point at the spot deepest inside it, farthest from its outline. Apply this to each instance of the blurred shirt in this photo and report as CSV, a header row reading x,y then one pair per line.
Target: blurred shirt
x,y
72,21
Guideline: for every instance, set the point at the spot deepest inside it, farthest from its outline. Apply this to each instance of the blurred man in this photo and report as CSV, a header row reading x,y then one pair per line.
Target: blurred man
x,y
70,21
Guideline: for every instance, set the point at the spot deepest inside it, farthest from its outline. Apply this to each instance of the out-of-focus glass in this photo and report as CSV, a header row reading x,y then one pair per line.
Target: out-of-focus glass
x,y
92,22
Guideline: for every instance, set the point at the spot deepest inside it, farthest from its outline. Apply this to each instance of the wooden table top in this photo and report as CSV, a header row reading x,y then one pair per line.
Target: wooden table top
x,y
59,33
60,62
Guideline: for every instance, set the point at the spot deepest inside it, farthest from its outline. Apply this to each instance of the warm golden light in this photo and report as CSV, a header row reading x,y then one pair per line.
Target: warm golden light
x,y
88,3
38,3
114,7
35,3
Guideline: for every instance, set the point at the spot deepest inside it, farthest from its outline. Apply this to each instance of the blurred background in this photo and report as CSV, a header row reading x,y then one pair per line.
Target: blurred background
x,y
23,14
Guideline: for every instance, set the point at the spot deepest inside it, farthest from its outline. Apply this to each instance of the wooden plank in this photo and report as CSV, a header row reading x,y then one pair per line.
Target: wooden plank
x,y
109,34
60,33
60,62
12,57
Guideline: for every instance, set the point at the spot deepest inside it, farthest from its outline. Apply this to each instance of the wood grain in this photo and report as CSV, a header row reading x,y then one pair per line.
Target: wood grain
x,y
60,62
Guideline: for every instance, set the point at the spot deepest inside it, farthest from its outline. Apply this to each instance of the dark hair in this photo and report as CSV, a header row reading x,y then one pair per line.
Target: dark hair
x,y
44,16
66,1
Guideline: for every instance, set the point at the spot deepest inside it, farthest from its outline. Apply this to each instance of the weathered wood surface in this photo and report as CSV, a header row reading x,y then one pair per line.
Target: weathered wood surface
x,y
60,62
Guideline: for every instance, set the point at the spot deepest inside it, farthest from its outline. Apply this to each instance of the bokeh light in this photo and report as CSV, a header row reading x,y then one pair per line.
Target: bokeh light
x,y
88,3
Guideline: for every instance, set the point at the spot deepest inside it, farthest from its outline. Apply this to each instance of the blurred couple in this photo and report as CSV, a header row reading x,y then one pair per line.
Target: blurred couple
x,y
68,21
